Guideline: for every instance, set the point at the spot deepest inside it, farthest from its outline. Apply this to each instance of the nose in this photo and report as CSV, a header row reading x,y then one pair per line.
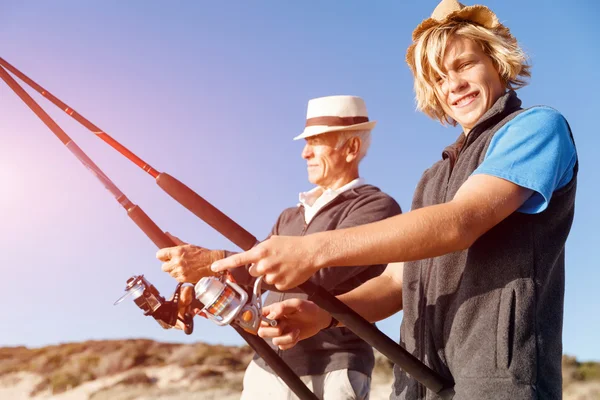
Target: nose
x,y
455,81
307,151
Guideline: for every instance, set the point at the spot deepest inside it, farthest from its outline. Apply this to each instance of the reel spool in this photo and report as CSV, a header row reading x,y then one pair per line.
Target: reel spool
x,y
226,302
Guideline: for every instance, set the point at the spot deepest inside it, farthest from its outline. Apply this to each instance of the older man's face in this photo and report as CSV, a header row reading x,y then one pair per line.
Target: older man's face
x,y
325,163
472,84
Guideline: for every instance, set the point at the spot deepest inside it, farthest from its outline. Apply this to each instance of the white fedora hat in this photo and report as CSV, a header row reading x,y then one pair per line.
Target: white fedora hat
x,y
335,113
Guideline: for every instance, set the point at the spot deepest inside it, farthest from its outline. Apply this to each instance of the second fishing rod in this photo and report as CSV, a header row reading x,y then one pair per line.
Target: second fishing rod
x,y
145,295
243,239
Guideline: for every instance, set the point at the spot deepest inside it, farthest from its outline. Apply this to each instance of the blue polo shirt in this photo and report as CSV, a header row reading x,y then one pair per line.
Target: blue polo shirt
x,y
533,150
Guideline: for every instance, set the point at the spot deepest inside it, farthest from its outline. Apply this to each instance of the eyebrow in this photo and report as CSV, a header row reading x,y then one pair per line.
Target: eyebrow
x,y
462,57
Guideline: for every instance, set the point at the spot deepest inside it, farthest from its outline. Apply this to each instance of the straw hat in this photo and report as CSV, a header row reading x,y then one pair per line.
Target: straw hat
x,y
335,113
452,10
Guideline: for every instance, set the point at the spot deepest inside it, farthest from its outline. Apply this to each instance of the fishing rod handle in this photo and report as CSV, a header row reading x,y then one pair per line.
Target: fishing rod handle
x,y
206,211
154,233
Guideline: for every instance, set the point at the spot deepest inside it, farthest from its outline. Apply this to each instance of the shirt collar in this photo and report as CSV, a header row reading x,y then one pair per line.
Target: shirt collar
x,y
309,198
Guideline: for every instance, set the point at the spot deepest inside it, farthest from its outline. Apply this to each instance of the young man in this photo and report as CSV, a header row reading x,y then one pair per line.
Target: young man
x,y
336,364
482,284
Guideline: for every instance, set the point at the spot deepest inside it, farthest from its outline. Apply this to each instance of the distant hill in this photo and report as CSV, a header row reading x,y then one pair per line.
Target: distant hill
x,y
134,369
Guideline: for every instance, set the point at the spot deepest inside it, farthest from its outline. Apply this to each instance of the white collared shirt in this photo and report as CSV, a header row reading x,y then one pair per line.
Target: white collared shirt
x,y
319,197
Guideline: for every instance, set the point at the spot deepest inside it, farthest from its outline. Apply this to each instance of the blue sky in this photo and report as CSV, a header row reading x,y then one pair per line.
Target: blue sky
x,y
213,94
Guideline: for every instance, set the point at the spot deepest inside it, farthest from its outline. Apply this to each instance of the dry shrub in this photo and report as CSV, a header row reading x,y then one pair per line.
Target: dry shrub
x,y
137,378
206,373
589,371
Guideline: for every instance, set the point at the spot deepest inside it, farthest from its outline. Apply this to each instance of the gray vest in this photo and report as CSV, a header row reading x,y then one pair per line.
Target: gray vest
x,y
489,317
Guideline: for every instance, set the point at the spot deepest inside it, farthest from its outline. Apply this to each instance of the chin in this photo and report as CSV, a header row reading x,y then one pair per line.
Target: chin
x,y
469,122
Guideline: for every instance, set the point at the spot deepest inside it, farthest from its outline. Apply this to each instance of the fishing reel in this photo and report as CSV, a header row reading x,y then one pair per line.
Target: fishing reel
x,y
226,302
219,299
165,312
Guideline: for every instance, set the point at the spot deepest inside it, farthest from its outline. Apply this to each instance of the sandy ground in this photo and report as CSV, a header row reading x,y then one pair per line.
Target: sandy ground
x,y
171,384
17,386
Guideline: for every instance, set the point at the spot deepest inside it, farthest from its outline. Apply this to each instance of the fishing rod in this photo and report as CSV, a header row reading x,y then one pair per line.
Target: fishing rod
x,y
180,192
242,238
148,298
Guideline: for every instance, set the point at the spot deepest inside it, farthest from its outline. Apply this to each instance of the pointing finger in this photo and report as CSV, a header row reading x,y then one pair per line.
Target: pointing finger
x,y
236,260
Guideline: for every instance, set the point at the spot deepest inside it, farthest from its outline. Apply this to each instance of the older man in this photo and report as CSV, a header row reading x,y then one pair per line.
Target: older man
x,y
335,363
482,285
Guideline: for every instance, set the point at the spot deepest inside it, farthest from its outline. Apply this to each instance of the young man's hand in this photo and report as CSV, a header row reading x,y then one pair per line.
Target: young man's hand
x,y
297,320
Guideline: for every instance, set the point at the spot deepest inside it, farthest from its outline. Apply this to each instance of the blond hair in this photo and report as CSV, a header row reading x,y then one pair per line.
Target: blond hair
x,y
429,50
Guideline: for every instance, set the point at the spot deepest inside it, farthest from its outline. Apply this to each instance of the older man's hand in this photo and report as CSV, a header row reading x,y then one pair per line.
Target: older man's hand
x,y
285,261
187,262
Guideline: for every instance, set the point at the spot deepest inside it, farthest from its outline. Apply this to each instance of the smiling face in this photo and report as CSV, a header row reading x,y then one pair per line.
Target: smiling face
x,y
330,165
470,85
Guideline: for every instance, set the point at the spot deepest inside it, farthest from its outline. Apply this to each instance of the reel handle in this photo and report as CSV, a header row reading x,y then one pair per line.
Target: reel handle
x,y
188,324
188,318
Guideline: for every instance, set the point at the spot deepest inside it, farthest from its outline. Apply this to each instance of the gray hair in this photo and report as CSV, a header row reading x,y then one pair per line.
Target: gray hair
x,y
363,135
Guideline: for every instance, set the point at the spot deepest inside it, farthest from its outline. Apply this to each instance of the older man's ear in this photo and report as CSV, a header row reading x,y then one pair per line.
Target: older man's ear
x,y
353,149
